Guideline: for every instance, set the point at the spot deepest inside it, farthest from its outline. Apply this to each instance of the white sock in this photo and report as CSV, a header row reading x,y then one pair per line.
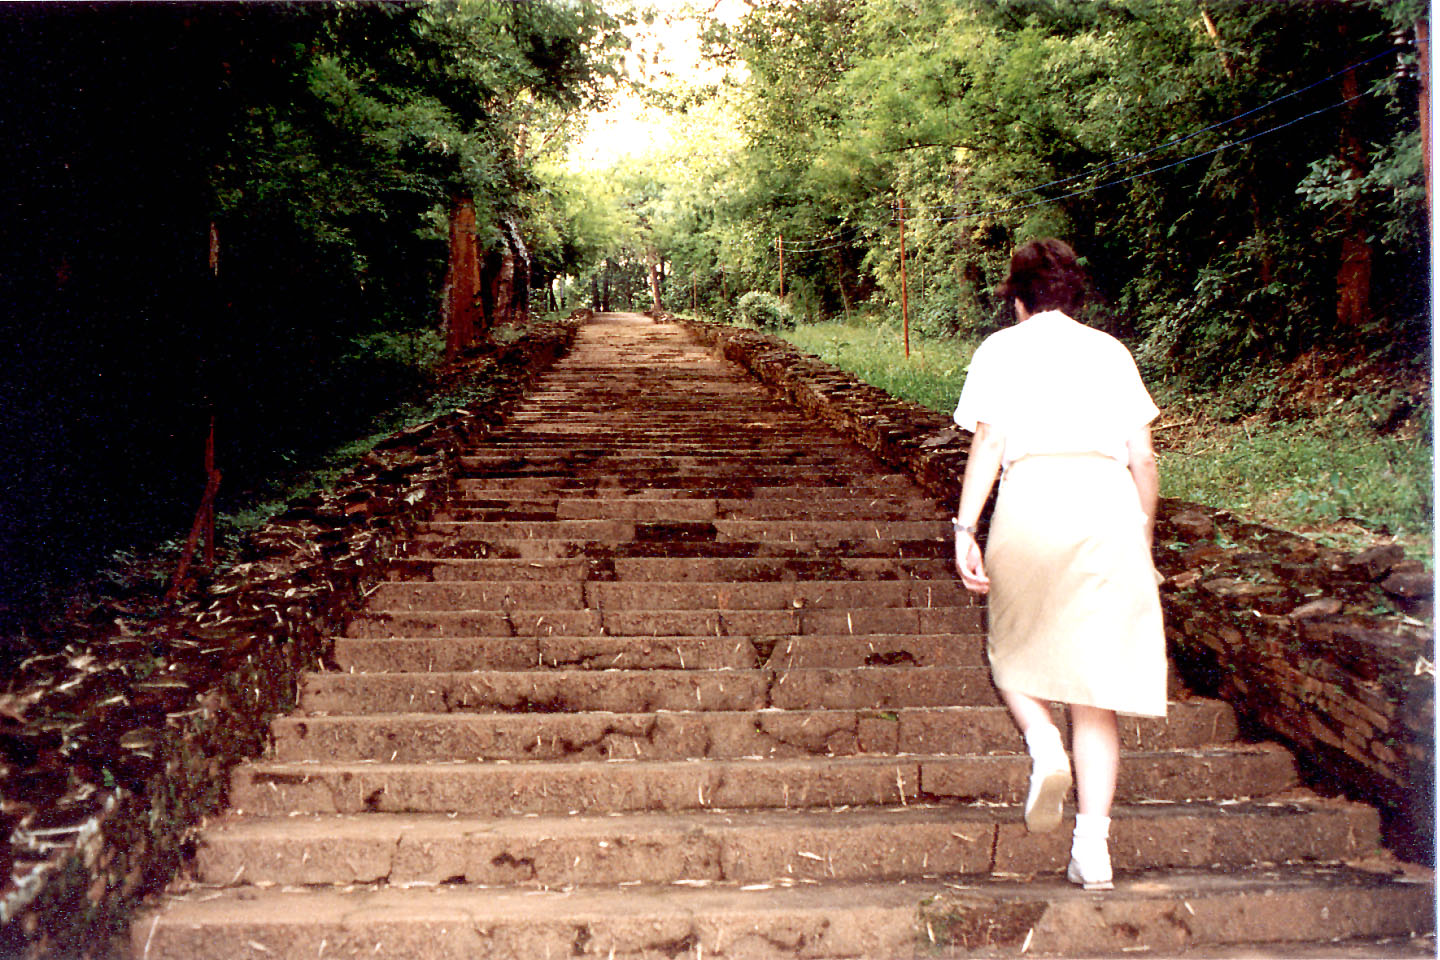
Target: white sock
x,y
1090,853
1091,827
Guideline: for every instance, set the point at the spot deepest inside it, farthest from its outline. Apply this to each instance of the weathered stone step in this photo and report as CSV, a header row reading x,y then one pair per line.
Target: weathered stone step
x,y
1177,913
658,544
713,475
637,464
442,654
691,509
676,735
648,623
755,846
515,789
524,595
644,691
714,443
698,569
693,425
1171,912
728,487
617,531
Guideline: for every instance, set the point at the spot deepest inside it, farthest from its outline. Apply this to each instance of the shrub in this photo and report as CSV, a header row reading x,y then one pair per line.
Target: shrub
x,y
764,310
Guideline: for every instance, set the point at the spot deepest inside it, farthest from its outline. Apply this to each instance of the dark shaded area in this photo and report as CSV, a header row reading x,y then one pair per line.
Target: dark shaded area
x,y
119,340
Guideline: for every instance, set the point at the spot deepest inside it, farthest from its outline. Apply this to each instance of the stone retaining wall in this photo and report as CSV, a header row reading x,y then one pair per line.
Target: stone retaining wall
x,y
1331,653
154,718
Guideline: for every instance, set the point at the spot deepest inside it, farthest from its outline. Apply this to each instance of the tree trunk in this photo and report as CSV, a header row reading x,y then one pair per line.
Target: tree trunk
x,y
462,311
605,288
504,286
521,273
1352,304
654,263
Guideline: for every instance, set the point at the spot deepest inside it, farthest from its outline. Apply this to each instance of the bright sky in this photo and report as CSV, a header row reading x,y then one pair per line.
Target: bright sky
x,y
671,45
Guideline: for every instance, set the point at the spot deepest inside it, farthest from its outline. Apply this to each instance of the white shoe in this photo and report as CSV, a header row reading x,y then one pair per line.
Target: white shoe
x,y
1090,858
1049,783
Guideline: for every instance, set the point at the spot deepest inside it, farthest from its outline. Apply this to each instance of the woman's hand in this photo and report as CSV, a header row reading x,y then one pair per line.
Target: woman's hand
x,y
970,564
987,447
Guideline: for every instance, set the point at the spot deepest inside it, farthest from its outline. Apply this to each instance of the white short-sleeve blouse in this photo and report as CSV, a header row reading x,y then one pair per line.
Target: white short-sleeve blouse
x,y
1052,385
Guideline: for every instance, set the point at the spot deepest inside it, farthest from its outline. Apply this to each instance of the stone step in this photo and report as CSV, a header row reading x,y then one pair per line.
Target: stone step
x,y
1171,912
657,541
644,691
691,509
688,569
677,735
650,623
618,531
726,470
727,487
272,788
526,595
444,654
713,443
1177,913
778,463
749,847
533,418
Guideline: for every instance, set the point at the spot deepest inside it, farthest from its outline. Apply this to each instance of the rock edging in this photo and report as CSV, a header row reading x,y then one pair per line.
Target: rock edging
x,y
192,694
1322,649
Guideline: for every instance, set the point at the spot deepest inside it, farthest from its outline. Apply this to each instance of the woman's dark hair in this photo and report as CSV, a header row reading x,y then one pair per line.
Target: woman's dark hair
x,y
1045,275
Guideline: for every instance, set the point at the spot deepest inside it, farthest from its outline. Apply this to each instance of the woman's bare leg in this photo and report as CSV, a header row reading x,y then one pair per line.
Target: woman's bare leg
x,y
1028,711
1095,743
1050,776
1095,740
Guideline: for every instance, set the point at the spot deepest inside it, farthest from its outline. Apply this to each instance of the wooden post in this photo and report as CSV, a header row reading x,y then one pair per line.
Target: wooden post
x,y
904,286
204,520
208,508
840,281
780,246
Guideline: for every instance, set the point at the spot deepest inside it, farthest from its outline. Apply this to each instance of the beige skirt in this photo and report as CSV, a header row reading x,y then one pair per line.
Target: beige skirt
x,y
1074,613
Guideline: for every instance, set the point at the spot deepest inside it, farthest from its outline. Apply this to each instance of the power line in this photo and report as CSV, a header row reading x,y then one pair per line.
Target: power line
x,y
1152,170
1178,140
833,240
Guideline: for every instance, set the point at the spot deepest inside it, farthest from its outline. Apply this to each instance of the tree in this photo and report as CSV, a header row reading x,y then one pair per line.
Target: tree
x,y
1195,153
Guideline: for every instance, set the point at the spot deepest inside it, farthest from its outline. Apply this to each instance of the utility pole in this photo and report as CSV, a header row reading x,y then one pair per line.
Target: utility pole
x,y
780,246
904,285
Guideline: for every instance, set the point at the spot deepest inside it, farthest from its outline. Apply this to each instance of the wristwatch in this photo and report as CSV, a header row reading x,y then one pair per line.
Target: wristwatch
x,y
962,527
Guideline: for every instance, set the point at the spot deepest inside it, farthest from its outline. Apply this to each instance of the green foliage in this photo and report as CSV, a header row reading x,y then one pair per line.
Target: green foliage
x,y
315,149
1319,476
873,349
1312,475
764,310
1198,173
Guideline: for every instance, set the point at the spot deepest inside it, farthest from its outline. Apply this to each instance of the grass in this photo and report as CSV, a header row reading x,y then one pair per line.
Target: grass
x,y
931,376
1330,477
1327,474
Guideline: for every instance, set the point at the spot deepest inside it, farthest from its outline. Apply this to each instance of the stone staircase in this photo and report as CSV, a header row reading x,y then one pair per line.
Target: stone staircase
x,y
679,674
